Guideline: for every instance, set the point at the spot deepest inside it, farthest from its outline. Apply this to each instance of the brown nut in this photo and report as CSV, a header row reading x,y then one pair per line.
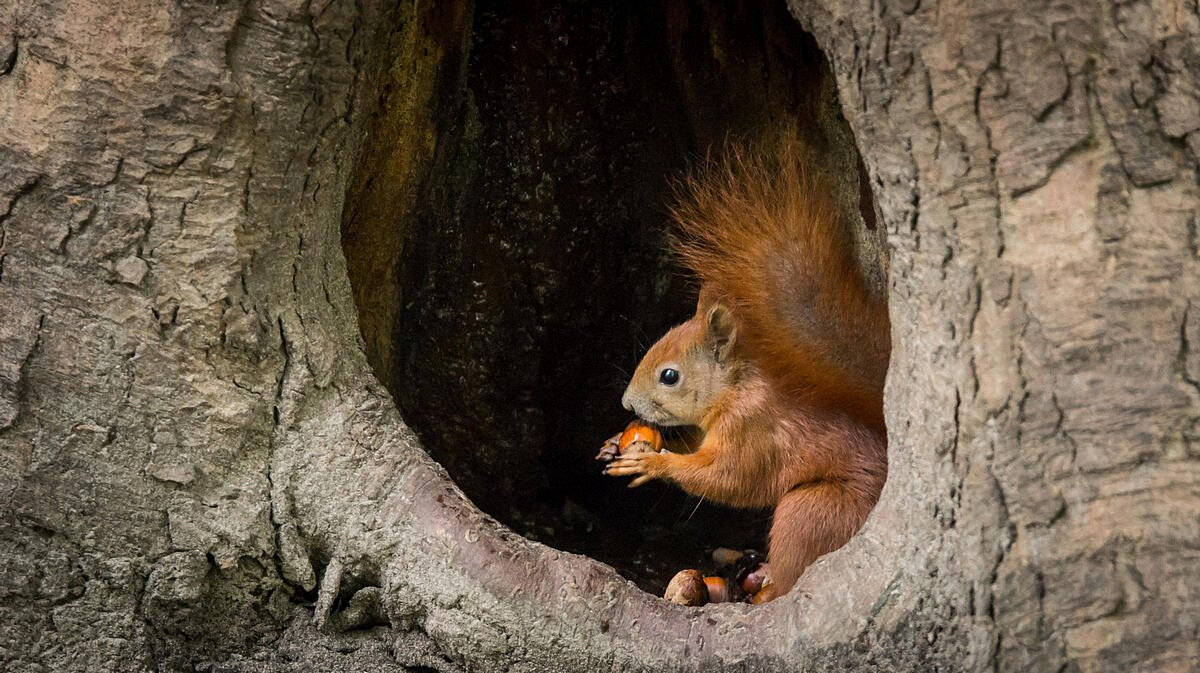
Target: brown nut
x,y
718,590
639,432
687,587
766,594
753,581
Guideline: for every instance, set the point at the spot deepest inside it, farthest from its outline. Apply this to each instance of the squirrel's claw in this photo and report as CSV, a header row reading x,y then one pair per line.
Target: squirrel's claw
x,y
611,449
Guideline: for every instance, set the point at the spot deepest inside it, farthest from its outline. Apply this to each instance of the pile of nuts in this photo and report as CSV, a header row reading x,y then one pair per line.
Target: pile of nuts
x,y
741,577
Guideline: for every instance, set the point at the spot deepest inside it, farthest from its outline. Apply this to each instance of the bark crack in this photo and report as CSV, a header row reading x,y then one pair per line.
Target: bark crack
x,y
1060,429
1006,525
9,62
1185,350
1082,145
25,189
20,389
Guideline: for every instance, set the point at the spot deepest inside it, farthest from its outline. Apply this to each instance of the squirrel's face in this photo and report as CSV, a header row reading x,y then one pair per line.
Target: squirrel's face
x,y
680,377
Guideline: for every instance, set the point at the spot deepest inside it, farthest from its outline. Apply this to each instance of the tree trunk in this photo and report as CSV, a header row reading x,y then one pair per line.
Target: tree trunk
x,y
200,470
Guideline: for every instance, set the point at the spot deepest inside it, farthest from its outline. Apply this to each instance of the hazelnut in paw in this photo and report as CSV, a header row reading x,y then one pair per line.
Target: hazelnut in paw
x,y
639,437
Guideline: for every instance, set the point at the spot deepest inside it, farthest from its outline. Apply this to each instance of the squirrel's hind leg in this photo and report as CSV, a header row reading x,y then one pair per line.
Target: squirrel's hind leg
x,y
810,520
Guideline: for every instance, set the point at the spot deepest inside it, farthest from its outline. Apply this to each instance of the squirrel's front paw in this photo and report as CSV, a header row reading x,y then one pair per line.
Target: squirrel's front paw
x,y
642,466
611,448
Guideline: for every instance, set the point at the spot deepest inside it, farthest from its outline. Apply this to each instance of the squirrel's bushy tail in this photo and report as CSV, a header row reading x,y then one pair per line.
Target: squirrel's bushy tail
x,y
761,231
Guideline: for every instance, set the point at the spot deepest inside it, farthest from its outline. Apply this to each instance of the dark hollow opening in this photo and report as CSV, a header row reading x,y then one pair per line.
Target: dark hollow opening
x,y
506,236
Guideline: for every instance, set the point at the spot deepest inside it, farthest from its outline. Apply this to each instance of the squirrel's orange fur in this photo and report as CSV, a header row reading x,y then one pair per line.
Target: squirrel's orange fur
x,y
782,366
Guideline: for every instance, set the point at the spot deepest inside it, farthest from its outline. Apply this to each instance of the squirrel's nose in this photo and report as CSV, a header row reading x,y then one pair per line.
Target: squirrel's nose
x,y
626,401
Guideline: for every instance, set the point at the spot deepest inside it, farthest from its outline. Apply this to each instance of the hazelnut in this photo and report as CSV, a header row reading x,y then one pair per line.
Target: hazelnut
x,y
638,432
687,587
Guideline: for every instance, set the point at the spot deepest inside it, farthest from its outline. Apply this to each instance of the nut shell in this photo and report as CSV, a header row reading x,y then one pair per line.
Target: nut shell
x,y
687,587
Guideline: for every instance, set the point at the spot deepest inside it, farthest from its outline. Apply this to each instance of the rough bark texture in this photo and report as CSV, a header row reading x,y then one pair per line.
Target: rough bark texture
x,y
195,459
1039,187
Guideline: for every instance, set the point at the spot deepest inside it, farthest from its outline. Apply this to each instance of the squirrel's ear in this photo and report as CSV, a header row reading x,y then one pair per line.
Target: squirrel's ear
x,y
721,331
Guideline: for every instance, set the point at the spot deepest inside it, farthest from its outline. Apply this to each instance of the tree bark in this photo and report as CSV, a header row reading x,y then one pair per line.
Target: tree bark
x,y
200,471
1039,186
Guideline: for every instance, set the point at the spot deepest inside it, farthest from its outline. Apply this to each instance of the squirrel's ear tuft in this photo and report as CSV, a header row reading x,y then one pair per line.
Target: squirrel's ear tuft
x,y
721,331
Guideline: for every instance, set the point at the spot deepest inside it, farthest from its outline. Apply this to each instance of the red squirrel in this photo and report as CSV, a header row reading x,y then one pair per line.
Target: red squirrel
x,y
781,367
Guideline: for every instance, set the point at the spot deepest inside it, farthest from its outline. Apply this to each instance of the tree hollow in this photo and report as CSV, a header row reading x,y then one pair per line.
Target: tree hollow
x,y
506,238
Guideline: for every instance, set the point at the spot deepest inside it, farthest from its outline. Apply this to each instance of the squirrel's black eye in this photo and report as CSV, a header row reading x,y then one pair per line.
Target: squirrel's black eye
x,y
668,376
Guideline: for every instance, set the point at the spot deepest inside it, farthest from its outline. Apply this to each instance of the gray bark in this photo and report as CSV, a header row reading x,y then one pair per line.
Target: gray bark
x,y
197,462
